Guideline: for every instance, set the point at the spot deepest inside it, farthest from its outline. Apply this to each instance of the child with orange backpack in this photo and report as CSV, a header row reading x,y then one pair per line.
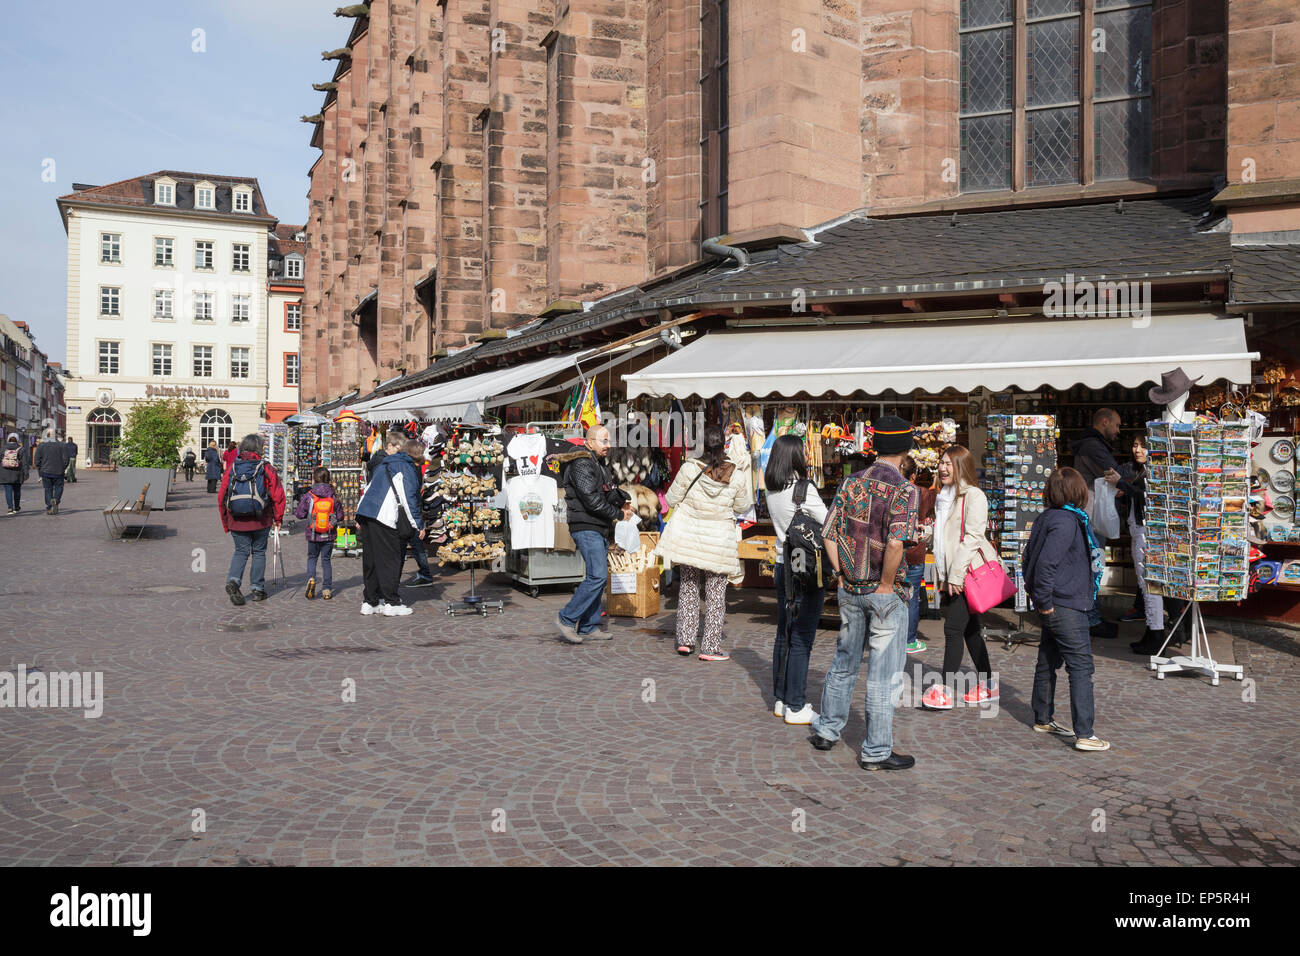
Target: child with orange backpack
x,y
323,513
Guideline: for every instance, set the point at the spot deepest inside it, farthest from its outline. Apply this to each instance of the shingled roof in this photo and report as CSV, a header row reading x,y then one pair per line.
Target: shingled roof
x,y
138,192
863,258
1265,274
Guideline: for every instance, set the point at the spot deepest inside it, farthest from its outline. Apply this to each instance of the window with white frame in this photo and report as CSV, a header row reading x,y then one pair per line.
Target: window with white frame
x,y
108,357
110,300
110,247
162,359
162,303
290,368
293,267
203,361
162,251
240,308
239,257
202,254
293,317
215,426
203,197
164,194
243,200
203,306
240,362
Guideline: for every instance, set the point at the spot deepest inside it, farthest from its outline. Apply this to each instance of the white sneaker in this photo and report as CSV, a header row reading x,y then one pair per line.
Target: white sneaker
x,y
372,608
397,610
778,710
1091,743
803,716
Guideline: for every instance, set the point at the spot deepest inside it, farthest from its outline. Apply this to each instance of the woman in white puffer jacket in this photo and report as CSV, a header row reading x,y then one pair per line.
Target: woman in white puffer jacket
x,y
706,497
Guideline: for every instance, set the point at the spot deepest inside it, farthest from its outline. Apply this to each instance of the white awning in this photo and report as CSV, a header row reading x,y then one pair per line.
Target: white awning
x,y
933,356
450,399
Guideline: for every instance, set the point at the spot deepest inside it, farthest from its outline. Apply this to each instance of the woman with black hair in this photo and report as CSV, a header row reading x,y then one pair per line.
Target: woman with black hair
x,y
706,497
785,479
1133,484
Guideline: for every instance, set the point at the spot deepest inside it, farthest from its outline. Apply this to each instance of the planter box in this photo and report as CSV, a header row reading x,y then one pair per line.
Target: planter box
x,y
131,480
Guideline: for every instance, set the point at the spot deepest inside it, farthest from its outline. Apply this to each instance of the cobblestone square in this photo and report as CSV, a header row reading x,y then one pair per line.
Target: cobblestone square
x,y
487,741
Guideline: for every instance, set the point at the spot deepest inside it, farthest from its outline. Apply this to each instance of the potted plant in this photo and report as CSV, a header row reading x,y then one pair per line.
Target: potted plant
x,y
150,447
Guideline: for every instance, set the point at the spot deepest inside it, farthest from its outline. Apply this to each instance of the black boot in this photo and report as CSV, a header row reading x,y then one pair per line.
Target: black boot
x,y
1151,642
1105,629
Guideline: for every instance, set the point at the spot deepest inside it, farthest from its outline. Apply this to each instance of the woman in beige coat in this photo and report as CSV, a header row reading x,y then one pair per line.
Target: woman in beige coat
x,y
960,528
706,496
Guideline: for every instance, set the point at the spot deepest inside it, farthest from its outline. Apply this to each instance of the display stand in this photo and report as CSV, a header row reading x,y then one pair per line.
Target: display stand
x,y
480,463
1199,660
474,602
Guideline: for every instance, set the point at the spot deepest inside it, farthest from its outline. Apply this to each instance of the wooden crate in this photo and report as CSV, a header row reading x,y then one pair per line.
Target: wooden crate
x,y
638,591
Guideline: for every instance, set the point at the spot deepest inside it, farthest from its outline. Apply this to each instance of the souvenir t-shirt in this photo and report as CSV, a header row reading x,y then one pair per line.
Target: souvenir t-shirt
x,y
532,501
528,451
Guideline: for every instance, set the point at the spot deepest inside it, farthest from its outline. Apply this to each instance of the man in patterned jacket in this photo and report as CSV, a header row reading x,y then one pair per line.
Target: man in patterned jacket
x,y
870,524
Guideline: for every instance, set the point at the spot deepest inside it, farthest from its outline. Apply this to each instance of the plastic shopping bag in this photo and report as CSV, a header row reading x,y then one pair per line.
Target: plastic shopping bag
x,y
1102,511
626,535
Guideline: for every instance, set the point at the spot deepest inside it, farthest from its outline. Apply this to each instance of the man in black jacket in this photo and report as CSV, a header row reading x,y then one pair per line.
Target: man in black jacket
x,y
51,463
594,503
1094,459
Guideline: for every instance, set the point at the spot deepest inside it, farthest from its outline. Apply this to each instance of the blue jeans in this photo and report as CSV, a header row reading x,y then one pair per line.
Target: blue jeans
x,y
53,488
916,578
791,688
421,557
1065,640
14,495
322,550
884,616
249,543
583,610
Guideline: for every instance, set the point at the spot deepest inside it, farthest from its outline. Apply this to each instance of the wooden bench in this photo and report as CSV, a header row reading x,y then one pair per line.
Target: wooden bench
x,y
122,513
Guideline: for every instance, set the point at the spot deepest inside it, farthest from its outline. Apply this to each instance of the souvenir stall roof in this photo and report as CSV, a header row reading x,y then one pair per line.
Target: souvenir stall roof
x,y
449,399
933,356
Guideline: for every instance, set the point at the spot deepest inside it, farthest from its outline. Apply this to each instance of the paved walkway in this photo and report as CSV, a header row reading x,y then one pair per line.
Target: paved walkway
x,y
488,741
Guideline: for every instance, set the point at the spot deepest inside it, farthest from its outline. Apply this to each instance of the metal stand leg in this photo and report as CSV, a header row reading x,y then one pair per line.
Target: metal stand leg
x,y
1199,660
1011,635
474,602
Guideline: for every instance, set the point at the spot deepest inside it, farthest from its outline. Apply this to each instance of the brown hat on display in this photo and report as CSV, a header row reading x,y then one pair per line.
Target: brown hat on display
x,y
1173,385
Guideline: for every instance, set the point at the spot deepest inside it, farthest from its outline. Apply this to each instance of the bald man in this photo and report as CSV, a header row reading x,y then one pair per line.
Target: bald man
x,y
594,503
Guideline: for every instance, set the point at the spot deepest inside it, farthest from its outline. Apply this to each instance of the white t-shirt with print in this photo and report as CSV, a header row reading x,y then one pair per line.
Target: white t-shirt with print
x,y
532,501
528,452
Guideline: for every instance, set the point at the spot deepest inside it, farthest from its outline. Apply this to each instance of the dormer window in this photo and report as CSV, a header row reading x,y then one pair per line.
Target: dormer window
x,y
242,199
205,196
293,267
164,192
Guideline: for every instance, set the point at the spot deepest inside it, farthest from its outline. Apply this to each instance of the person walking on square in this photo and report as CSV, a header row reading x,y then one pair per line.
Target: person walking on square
x,y
212,467
871,522
960,534
323,512
228,456
1062,567
796,627
71,474
915,556
188,463
387,517
51,464
702,538
15,465
250,502
594,502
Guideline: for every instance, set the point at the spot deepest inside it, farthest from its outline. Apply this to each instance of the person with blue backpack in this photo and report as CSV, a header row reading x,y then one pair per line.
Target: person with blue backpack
x,y
251,502
802,574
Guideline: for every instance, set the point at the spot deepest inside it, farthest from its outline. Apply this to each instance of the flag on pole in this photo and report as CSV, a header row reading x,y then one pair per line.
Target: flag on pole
x,y
590,414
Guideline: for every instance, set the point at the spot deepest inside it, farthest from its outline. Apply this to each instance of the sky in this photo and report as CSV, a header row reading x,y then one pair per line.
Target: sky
x,y
108,91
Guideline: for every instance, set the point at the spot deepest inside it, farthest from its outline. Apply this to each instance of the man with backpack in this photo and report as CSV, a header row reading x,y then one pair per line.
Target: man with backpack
x,y
251,502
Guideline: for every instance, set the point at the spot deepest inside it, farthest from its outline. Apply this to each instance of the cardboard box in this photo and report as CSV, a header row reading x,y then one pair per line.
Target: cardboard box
x,y
633,586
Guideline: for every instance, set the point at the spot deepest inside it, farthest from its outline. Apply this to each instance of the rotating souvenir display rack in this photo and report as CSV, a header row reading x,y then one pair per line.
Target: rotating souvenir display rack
x,y
1019,457
340,452
471,482
277,447
305,441
1198,480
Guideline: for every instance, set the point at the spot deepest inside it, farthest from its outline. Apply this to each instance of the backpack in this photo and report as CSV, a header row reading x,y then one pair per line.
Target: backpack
x,y
805,552
13,458
246,495
322,515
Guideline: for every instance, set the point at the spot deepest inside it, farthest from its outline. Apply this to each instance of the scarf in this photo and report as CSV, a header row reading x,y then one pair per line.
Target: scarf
x,y
1098,554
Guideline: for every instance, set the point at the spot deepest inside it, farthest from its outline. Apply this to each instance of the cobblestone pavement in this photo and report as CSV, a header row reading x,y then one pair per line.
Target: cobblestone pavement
x,y
488,741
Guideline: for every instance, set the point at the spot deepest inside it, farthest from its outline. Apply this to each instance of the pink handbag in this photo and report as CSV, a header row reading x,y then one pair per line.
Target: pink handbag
x,y
986,585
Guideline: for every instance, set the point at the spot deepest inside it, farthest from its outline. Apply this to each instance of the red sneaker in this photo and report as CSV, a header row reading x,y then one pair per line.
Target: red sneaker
x,y
937,698
981,694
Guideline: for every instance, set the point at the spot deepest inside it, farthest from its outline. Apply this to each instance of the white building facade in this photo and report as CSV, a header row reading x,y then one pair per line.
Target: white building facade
x,y
167,297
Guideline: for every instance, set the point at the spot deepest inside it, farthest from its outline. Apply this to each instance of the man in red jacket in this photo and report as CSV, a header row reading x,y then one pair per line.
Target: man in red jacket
x,y
251,502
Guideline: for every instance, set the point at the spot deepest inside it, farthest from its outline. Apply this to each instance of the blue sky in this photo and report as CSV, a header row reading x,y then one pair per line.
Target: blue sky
x,y
114,90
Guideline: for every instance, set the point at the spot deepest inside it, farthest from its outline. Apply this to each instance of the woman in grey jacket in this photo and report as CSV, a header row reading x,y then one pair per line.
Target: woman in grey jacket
x,y
13,477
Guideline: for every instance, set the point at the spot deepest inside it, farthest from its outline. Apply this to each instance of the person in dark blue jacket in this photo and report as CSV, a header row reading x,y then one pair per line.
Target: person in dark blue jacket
x,y
1062,567
388,516
212,466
